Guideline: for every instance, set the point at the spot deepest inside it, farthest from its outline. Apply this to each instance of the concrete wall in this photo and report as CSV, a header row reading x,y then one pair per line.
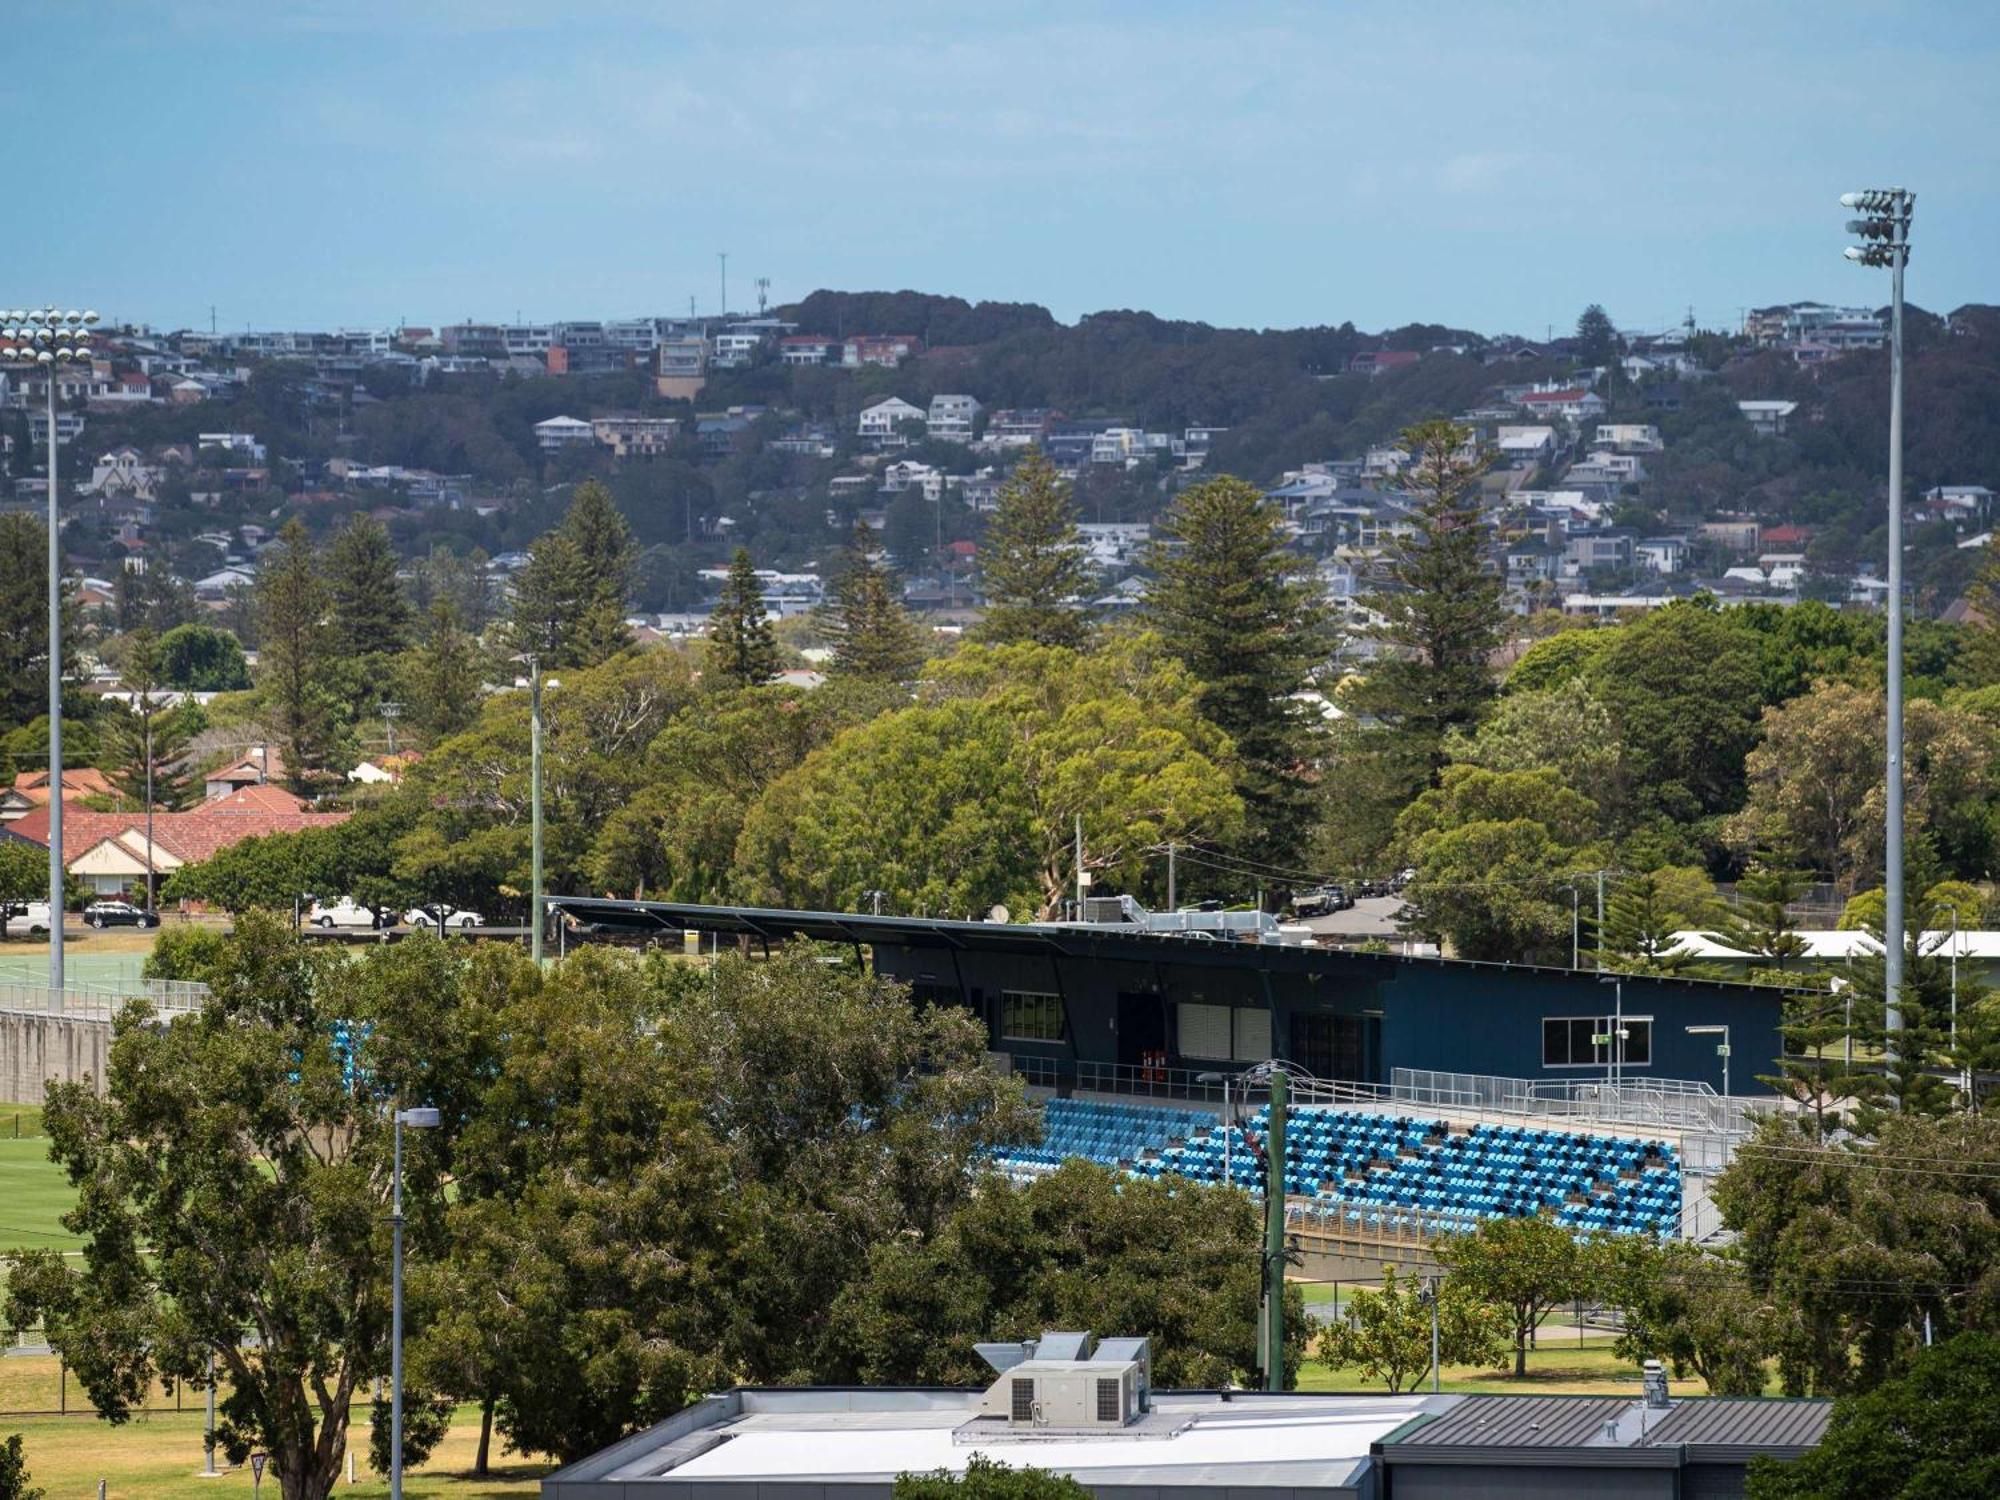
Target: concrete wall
x,y
37,1050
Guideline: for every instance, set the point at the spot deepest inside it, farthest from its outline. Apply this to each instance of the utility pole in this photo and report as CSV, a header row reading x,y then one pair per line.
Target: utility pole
x,y
723,256
1431,1297
1172,903
1274,1238
535,913
1599,963
1082,880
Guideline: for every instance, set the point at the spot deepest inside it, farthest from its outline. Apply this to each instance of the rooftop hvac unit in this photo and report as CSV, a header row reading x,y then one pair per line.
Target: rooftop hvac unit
x,y
1066,1395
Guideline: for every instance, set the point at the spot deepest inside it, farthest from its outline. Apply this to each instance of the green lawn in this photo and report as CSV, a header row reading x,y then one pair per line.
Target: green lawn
x,y
160,1457
34,1193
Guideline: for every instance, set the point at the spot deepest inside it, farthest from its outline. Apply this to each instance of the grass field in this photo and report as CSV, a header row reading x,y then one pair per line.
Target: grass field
x,y
34,1193
159,1458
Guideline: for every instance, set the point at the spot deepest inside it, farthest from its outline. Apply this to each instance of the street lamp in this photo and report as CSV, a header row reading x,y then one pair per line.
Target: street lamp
x,y
1885,241
1721,1049
416,1119
51,338
534,685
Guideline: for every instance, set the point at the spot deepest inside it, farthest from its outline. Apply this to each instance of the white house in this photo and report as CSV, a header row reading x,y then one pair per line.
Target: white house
x,y
907,474
1628,437
952,418
558,433
240,446
1524,447
1767,418
880,423
1661,554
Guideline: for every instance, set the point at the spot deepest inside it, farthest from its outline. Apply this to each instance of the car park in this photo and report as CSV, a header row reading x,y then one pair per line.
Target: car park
x,y
119,914
454,916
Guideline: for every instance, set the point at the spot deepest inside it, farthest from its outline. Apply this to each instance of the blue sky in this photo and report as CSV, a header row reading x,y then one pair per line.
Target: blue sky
x,y
303,163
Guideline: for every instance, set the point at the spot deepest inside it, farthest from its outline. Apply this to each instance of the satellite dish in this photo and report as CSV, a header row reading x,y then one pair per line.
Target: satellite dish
x,y
999,914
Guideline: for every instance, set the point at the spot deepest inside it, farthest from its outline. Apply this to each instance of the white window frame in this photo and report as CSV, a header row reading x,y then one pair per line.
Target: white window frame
x,y
1600,1025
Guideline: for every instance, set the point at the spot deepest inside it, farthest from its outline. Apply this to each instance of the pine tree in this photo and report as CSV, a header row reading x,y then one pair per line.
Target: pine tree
x,y
442,676
569,601
370,616
1035,568
295,666
1760,923
871,633
1639,927
1979,658
1247,616
742,645
1596,336
148,746
1442,610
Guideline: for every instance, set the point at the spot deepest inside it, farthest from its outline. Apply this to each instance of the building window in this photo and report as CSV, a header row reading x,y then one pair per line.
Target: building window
x,y
1572,1041
1028,1017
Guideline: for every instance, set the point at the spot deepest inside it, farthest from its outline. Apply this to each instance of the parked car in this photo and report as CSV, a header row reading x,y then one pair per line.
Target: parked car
x,y
1320,900
119,914
343,913
29,918
454,916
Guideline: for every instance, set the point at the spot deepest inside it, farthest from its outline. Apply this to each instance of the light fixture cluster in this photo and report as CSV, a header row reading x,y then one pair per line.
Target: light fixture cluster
x,y
45,335
1885,232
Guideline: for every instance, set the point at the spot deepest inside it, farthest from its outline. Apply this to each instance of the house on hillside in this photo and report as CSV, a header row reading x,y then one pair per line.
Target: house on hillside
x,y
558,433
1768,418
952,418
886,423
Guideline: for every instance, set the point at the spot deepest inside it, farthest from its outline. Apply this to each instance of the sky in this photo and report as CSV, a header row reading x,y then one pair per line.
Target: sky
x,y
362,163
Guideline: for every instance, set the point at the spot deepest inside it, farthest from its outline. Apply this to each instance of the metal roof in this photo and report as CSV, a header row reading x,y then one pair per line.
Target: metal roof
x,y
1076,939
1514,1422
1764,1423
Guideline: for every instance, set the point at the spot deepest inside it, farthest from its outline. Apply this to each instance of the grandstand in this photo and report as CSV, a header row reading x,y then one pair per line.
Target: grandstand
x,y
1365,1165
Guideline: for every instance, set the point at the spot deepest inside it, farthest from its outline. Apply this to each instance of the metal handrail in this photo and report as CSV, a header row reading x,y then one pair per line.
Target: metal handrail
x,y
169,997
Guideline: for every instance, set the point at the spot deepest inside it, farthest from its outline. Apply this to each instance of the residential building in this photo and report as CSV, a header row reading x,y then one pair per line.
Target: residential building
x,y
1586,551
1525,447
885,422
1767,418
952,418
69,427
1571,404
1118,445
628,435
1604,467
732,350
531,339
1019,427
681,370
474,340
1378,361
887,350
1628,437
908,474
807,349
1733,534
122,474
558,433
1661,554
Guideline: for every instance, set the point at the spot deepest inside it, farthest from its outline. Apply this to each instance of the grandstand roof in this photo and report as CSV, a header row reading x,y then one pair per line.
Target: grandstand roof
x,y
777,924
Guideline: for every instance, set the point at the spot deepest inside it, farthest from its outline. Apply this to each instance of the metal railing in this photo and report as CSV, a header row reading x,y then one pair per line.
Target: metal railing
x,y
1670,1104
169,997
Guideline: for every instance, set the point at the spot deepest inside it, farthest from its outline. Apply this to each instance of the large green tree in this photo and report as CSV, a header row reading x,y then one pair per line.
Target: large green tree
x,y
24,620
1931,1433
1249,618
1691,1308
1386,1334
872,635
570,599
1526,1266
203,659
298,671
742,646
369,615
1440,606
1036,573
442,676
146,748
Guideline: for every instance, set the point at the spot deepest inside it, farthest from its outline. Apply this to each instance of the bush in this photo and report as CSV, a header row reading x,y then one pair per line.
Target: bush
x,y
186,953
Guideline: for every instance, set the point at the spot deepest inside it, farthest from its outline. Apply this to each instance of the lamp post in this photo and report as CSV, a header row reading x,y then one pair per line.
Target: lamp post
x,y
1575,924
1885,241
535,912
51,338
1721,1049
416,1119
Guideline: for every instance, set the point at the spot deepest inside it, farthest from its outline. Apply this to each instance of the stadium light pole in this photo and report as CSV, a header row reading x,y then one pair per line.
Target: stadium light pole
x,y
51,338
1885,241
535,911
416,1119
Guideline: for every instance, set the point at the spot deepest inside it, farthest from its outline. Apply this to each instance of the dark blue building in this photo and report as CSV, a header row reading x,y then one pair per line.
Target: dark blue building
x,y
1074,1003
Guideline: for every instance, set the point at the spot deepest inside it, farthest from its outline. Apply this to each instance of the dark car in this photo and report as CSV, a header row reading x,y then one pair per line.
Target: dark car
x,y
1321,900
119,914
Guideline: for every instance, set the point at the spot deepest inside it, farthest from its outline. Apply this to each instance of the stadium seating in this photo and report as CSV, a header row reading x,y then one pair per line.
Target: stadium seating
x,y
1365,1162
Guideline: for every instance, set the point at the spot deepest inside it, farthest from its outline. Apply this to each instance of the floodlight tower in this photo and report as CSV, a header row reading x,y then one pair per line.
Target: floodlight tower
x,y
1884,232
51,338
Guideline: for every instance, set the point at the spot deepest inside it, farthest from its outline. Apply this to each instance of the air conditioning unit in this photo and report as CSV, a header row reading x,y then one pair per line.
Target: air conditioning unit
x,y
1066,1395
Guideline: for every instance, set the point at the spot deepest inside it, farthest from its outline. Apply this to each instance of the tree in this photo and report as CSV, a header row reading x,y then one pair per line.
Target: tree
x,y
1596,337
1859,1247
569,601
1528,1266
872,635
24,619
369,617
232,1179
1036,572
1564,728
741,642
1690,1308
926,805
1441,608
1387,1334
1113,742
1932,1433
1493,851
1080,1247
24,875
1979,657
985,1479
14,1473
296,666
147,745
1759,924
202,659
1682,687
442,677
1646,911
1248,618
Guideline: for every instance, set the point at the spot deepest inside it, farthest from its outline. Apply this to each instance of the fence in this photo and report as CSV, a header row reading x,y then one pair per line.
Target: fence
x,y
1672,1104
169,997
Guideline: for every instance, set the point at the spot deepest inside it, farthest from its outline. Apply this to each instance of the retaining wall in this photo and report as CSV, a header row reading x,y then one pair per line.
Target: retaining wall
x,y
37,1050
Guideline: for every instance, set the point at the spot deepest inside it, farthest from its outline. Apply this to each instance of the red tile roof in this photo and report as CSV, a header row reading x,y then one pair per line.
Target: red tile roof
x,y
83,781
189,836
